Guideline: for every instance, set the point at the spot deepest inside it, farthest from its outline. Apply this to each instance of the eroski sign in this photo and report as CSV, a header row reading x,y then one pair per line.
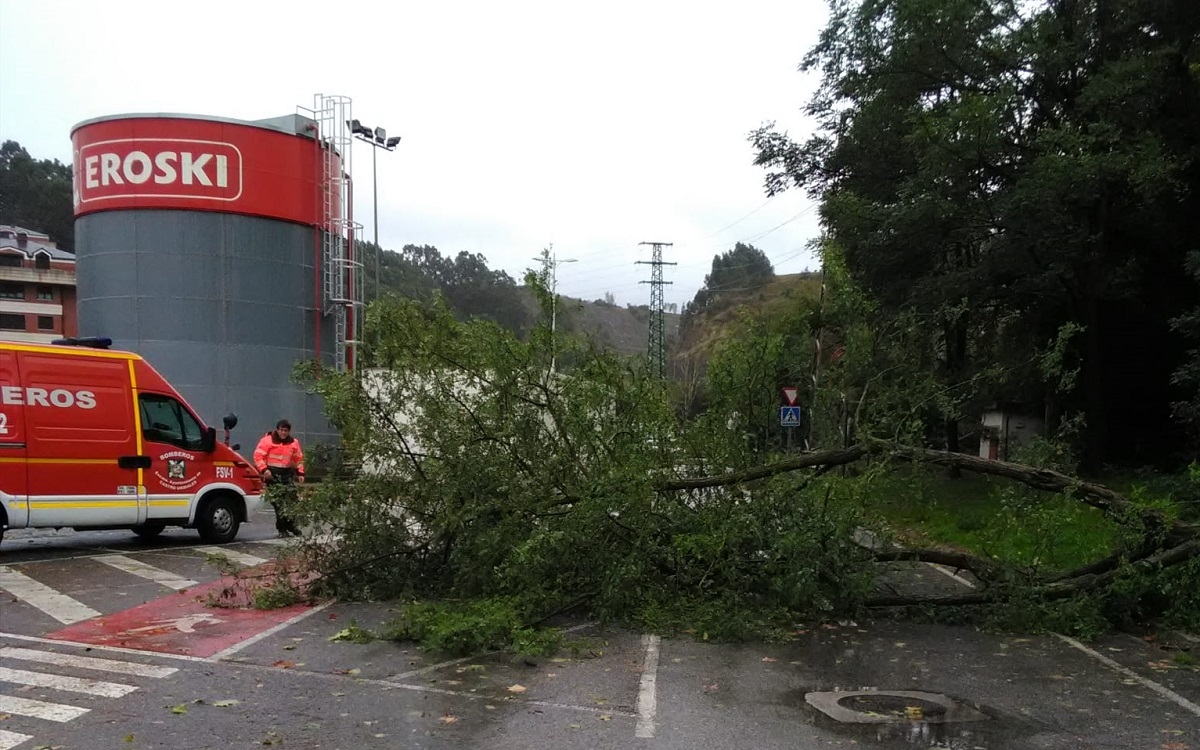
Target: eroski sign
x,y
159,167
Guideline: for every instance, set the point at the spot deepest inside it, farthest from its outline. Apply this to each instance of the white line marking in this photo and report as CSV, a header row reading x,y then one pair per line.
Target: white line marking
x,y
453,662
241,558
54,603
60,682
647,700
94,647
86,662
40,709
277,541
9,740
173,550
952,574
1170,695
149,572
431,668
477,696
267,633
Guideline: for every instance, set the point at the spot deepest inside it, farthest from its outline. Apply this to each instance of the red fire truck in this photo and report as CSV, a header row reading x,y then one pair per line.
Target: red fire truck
x,y
92,438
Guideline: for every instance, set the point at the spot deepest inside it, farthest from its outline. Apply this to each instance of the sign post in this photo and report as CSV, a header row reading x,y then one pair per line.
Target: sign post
x,y
789,414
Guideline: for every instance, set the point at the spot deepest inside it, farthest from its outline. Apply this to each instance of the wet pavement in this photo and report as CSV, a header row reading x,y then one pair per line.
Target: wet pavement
x,y
867,684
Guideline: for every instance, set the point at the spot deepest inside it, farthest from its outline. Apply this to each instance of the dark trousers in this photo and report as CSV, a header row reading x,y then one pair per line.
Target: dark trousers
x,y
281,490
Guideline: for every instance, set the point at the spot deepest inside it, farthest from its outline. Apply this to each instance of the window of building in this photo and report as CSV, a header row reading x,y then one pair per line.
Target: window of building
x,y
45,293
45,323
11,259
12,322
9,290
42,261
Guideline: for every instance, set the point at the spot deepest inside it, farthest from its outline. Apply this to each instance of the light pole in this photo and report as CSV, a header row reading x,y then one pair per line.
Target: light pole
x,y
550,263
378,140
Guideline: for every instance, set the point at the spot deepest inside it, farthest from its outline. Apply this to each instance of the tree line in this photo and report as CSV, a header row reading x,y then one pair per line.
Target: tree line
x,y
998,175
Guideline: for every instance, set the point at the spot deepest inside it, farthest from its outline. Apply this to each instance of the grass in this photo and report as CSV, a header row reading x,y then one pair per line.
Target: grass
x,y
986,515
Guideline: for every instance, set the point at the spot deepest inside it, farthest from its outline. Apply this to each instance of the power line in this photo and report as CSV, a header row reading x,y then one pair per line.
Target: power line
x,y
739,221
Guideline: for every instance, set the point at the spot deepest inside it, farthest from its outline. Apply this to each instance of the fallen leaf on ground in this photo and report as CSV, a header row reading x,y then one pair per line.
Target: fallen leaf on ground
x,y
516,688
605,717
284,664
226,704
769,659
448,719
180,709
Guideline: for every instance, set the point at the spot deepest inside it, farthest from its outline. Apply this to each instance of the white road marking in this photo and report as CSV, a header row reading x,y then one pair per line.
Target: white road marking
x,y
267,633
9,740
647,700
60,682
149,572
241,558
93,647
951,574
1153,686
455,662
85,662
1170,695
36,594
40,709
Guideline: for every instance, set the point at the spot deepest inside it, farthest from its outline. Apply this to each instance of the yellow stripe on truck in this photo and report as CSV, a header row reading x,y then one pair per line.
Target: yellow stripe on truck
x,y
137,421
53,505
181,502
87,461
88,352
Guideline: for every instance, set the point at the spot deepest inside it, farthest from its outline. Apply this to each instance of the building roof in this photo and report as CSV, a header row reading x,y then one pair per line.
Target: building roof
x,y
33,233
8,241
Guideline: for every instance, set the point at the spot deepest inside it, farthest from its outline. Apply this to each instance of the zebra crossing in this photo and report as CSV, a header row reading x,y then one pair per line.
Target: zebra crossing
x,y
54,588
60,687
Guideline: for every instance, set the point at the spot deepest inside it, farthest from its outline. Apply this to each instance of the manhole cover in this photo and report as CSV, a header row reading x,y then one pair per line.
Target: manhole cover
x,y
891,707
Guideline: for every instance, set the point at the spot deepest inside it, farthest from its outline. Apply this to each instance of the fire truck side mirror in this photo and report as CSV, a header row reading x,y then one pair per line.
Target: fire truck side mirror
x,y
229,421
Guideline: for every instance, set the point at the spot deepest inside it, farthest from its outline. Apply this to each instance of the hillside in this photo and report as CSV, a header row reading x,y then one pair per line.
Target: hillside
x,y
708,327
624,329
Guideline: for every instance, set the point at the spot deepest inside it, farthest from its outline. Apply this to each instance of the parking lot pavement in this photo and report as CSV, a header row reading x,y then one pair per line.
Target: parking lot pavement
x,y
623,689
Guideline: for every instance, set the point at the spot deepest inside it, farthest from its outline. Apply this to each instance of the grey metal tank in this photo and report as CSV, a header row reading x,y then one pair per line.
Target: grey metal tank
x,y
201,244
216,303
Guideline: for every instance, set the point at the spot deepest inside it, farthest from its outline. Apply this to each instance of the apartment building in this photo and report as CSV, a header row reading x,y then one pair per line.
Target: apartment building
x,y
37,287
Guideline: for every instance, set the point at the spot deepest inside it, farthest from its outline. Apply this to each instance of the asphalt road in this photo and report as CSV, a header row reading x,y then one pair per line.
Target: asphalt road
x,y
290,685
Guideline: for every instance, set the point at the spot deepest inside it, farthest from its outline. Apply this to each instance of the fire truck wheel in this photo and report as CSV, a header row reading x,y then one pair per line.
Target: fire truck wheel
x,y
218,520
149,530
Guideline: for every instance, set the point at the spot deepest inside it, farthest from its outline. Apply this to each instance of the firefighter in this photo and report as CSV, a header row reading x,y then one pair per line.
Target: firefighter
x,y
280,460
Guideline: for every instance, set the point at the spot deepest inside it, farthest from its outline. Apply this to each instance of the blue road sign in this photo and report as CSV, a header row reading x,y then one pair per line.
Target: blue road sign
x,y
789,416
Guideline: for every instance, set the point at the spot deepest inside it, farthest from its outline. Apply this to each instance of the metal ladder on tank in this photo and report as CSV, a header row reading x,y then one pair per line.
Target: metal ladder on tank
x,y
342,272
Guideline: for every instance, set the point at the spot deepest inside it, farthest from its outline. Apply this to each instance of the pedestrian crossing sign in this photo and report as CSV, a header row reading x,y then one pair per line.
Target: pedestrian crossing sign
x,y
789,416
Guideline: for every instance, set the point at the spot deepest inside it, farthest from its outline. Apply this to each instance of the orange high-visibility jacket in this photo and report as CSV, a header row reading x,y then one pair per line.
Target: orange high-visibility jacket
x,y
272,451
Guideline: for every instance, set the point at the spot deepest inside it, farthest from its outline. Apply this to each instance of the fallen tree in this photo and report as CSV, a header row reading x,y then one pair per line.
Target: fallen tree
x,y
474,473
1160,542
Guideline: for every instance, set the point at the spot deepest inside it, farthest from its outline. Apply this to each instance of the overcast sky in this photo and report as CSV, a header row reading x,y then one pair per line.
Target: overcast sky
x,y
592,126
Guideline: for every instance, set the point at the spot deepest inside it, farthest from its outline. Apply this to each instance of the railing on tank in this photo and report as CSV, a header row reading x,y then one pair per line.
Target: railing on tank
x,y
341,271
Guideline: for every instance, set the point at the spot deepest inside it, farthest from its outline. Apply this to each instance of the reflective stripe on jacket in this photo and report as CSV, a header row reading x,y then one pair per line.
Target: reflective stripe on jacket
x,y
272,451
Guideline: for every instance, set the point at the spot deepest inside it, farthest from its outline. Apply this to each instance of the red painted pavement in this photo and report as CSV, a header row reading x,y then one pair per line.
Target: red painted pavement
x,y
183,622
